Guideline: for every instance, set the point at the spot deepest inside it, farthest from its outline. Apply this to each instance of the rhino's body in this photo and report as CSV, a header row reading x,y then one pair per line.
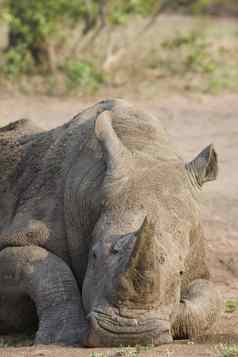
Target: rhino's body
x,y
72,201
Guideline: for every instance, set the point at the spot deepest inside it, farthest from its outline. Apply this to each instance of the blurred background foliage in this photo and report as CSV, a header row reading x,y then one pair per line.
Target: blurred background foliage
x,y
70,44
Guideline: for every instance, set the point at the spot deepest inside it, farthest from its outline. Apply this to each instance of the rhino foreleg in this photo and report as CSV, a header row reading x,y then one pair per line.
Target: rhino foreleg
x,y
200,307
47,280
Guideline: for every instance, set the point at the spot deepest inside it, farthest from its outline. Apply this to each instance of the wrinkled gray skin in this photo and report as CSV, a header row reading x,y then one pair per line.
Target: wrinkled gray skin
x,y
100,237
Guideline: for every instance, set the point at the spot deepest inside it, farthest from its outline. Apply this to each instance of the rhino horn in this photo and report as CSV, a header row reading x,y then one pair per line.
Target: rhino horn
x,y
140,282
115,153
204,167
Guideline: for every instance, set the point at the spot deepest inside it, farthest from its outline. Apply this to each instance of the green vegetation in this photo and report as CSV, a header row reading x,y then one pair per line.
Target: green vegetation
x,y
121,10
98,354
231,306
65,45
230,351
16,340
37,31
194,50
17,62
82,75
33,23
197,61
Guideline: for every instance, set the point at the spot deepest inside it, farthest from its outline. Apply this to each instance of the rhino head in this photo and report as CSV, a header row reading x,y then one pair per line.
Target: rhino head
x,y
140,242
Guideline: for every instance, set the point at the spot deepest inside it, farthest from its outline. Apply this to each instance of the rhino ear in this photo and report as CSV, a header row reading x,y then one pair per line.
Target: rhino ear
x,y
116,154
204,167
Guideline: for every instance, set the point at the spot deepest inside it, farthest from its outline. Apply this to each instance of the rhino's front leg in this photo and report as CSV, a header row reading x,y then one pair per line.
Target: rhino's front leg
x,y
199,309
49,282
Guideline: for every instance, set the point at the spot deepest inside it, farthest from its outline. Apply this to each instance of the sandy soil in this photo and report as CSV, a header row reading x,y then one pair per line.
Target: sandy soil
x,y
192,124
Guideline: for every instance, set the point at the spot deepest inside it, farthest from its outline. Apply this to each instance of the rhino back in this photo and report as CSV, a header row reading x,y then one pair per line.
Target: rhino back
x,y
13,138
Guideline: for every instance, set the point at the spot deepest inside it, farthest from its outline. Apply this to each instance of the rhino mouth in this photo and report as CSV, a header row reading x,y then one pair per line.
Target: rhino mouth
x,y
106,330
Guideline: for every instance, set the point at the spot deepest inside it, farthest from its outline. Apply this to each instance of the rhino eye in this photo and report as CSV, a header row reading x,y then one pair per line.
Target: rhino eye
x,y
114,250
94,254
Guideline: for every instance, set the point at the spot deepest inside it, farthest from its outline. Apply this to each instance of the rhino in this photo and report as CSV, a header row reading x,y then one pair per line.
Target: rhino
x,y
101,242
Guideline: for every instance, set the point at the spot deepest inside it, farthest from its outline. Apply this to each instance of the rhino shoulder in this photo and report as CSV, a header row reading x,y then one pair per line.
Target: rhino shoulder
x,y
19,128
12,139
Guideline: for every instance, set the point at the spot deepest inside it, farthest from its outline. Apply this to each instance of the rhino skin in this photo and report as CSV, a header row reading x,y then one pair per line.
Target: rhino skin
x,y
100,236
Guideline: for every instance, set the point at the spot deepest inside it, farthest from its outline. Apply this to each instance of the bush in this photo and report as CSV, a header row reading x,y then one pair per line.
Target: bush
x,y
33,23
82,75
194,53
17,61
120,10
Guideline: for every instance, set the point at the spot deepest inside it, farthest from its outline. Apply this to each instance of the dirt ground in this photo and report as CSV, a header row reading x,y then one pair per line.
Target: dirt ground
x,y
192,124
